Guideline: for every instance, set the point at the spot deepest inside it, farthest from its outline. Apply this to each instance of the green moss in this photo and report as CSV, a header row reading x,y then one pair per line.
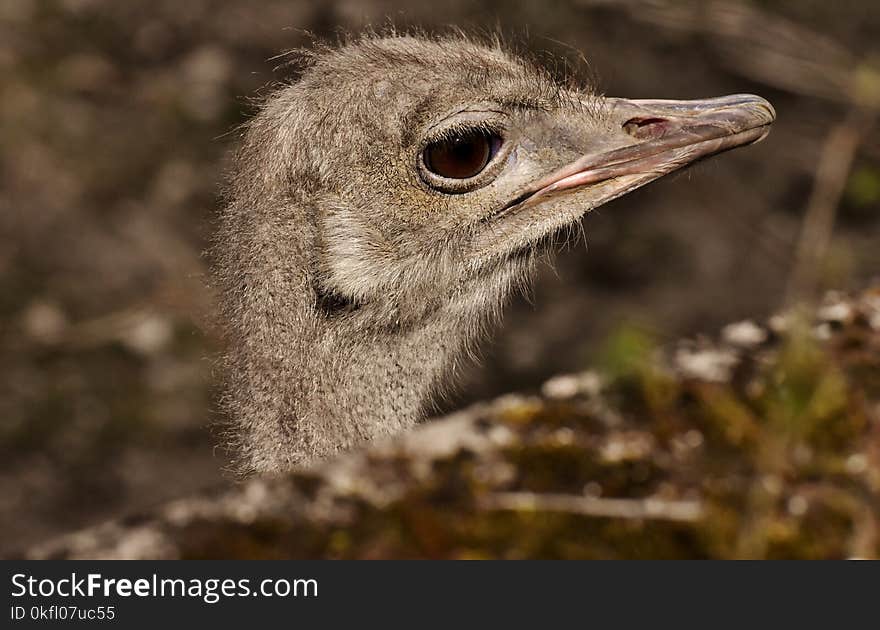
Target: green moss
x,y
863,187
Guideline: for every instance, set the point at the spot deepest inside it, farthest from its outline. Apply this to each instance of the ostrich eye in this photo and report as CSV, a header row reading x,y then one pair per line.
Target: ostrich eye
x,y
463,155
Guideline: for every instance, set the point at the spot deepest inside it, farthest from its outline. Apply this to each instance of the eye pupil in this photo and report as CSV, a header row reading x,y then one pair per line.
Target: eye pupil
x,y
461,156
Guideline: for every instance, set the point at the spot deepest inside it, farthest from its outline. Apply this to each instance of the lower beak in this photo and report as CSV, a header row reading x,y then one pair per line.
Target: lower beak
x,y
668,135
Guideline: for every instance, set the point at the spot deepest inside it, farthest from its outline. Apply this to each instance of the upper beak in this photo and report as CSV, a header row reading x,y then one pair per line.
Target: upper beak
x,y
663,136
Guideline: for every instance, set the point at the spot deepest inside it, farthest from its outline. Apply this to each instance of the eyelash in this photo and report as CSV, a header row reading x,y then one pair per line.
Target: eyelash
x,y
463,128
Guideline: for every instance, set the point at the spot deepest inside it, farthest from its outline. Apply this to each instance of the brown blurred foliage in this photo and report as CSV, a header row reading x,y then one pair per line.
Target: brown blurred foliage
x,y
114,120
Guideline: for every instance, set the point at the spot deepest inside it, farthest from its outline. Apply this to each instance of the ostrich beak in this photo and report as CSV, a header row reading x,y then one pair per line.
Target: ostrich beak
x,y
672,134
570,163
658,137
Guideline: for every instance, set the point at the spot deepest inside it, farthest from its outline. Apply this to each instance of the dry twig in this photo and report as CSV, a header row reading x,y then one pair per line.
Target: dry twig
x,y
832,173
634,509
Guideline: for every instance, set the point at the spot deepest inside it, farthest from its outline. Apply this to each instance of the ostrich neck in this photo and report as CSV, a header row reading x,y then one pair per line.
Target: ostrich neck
x,y
308,384
377,381
381,383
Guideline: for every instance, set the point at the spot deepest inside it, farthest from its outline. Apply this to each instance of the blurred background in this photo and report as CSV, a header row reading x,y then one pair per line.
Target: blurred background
x,y
115,118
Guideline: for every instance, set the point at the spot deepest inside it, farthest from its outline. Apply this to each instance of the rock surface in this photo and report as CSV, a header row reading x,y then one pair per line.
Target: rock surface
x,y
765,444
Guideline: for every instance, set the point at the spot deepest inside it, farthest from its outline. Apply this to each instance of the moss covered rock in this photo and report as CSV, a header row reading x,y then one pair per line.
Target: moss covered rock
x,y
762,444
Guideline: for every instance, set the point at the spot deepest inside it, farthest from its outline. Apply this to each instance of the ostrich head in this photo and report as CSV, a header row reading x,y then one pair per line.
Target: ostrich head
x,y
384,205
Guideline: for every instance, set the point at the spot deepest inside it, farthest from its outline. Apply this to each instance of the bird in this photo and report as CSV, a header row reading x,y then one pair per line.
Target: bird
x,y
381,207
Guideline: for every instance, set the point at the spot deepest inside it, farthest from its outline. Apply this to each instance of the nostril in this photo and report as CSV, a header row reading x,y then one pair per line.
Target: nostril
x,y
644,127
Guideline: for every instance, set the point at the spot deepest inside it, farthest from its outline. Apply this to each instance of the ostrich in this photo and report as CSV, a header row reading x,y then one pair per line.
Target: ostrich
x,y
381,209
